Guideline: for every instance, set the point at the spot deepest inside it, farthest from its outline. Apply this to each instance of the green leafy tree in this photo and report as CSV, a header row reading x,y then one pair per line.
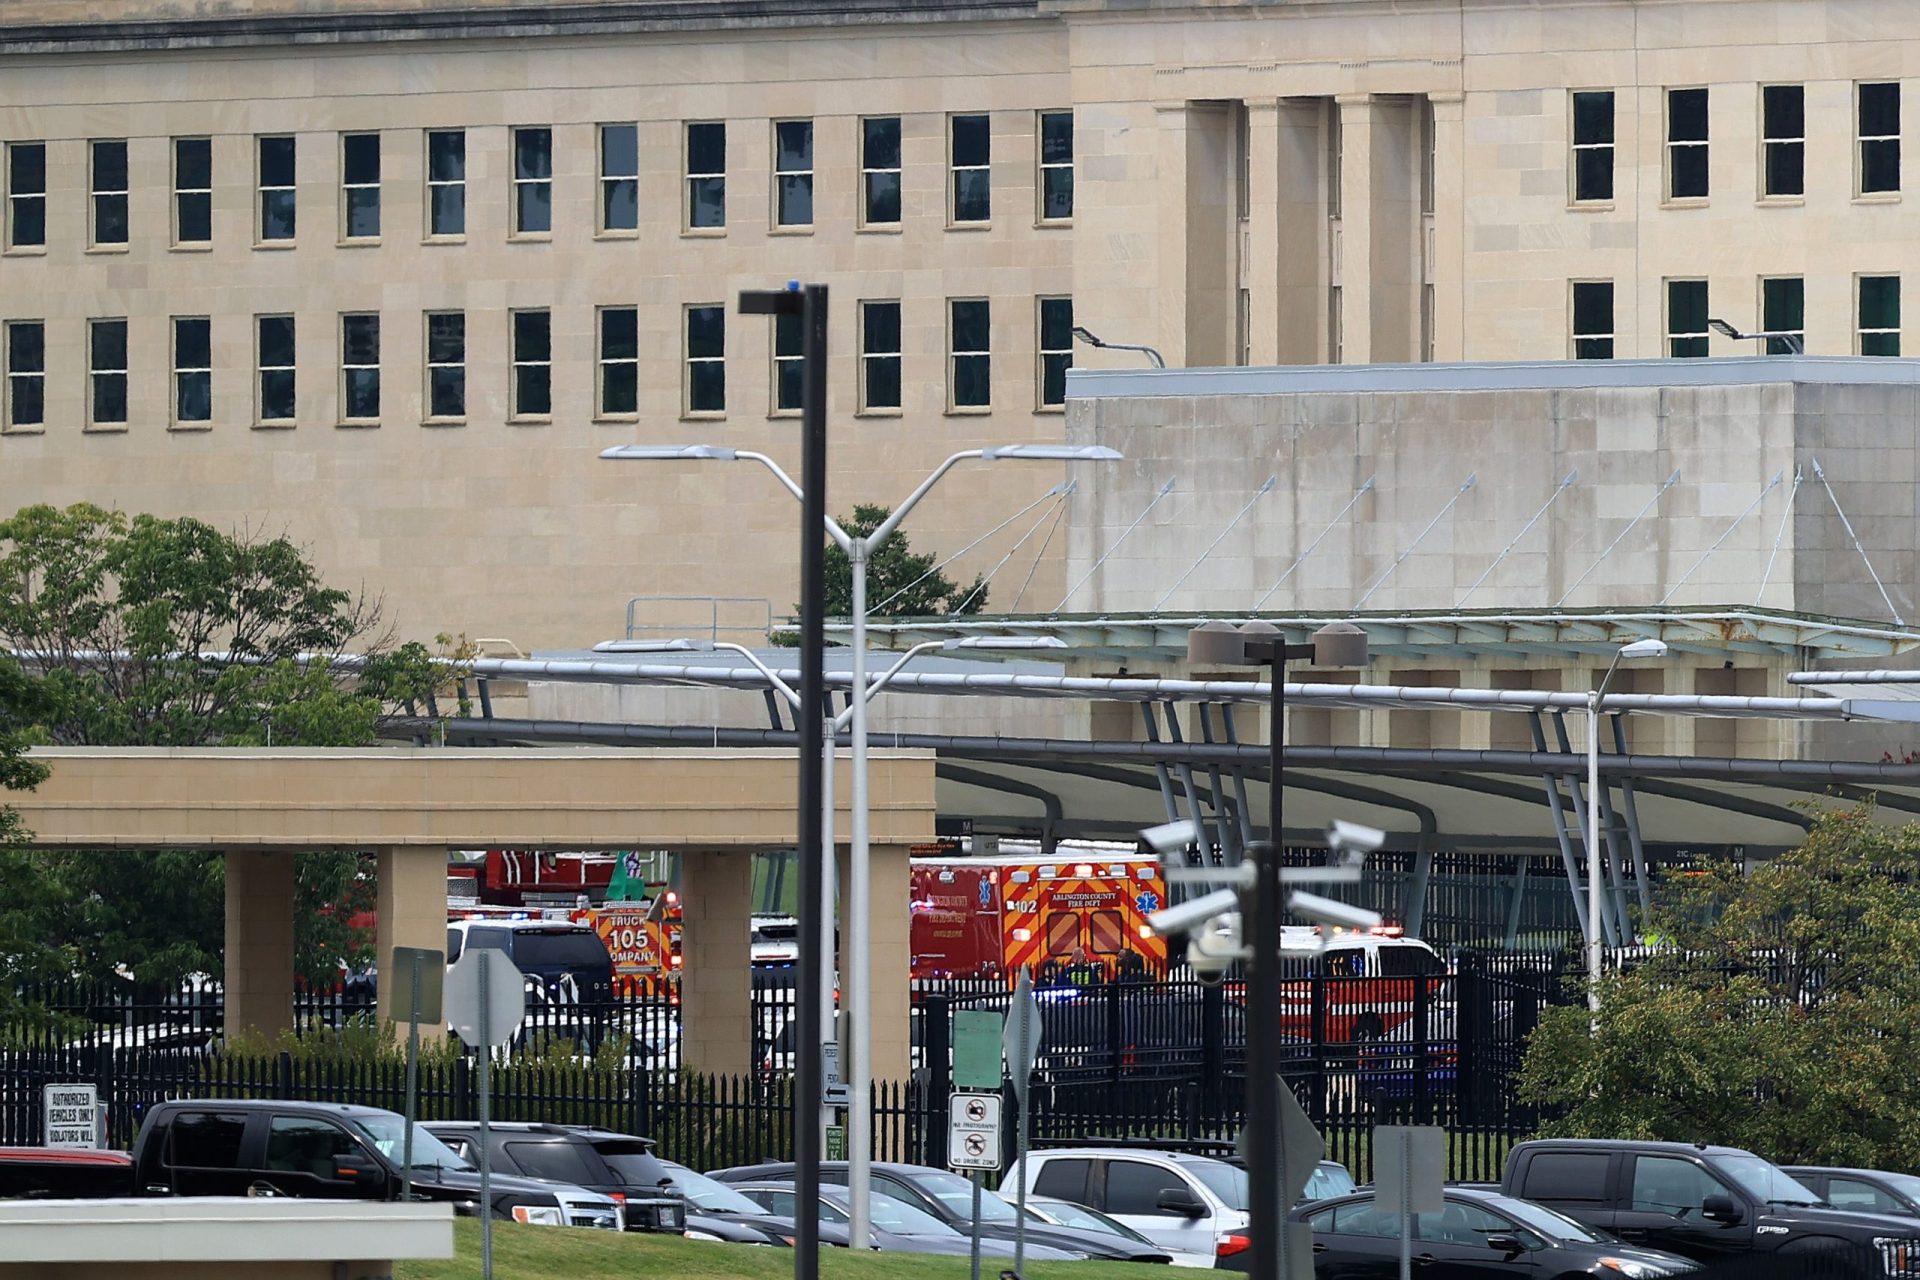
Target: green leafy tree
x,y
111,614
1780,1018
900,584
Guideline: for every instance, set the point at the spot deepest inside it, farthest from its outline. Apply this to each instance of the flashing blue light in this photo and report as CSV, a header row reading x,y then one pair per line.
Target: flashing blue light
x,y
793,286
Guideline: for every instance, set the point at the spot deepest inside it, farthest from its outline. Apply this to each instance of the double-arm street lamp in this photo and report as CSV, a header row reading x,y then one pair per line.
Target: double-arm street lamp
x,y
855,1021
1596,954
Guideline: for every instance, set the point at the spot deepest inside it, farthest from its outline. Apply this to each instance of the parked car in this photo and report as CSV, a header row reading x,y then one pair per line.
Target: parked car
x,y
896,1227
1480,1235
949,1197
1064,1213
1862,1190
1187,1204
64,1173
1728,1209
716,1211
616,1165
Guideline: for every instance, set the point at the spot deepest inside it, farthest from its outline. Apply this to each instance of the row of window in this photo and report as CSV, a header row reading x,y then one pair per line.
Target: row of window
x,y
704,204
1783,316
969,359
1783,143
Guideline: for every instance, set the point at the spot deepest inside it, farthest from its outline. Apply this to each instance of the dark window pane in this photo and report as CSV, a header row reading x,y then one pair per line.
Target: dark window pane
x,y
1880,302
883,383
1135,1187
109,166
1879,110
1687,348
973,195
796,200
880,143
619,334
276,341
1880,165
193,164
1592,117
29,403
363,213
792,145
276,394
707,202
1058,196
360,157
1783,304
447,157
109,345
619,150
1687,115
706,332
883,197
1785,106
882,320
620,204
1593,174
193,343
1056,137
26,348
109,397
193,397
534,206
276,162
533,390
1687,306
620,389
276,215
706,148
788,376
449,392
196,218
1053,378
533,153
205,1140
1056,324
787,335
1593,308
1785,168
450,211
972,140
30,222
110,219
446,338
362,387
1688,173
27,168
970,326
972,381
532,335
360,340
1879,344
1593,349
707,387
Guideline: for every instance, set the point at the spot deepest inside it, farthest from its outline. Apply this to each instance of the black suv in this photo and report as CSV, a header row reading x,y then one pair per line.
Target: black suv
x,y
614,1164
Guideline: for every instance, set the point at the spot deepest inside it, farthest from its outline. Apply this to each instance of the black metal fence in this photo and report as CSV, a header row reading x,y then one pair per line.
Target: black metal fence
x,y
1138,1062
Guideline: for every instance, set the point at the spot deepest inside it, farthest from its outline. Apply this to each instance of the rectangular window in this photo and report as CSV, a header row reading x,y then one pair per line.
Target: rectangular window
x,y
1593,320
192,191
1593,145
447,182
360,368
446,365
532,364
789,363
880,171
1686,318
1429,151
1783,110
706,359
970,153
26,195
1686,144
1335,177
360,186
277,192
1879,309
192,369
275,364
1783,310
1879,117
26,373
619,177
1055,351
532,182
793,172
879,355
108,163
1426,323
706,175
969,353
1336,327
1056,166
107,372
619,362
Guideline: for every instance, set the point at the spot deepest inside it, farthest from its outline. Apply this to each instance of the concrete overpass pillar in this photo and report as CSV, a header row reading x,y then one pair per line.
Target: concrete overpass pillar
x,y
259,944
411,900
890,954
716,979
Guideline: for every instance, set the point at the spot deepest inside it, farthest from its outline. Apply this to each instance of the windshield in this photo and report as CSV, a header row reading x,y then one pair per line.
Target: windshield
x,y
1905,1183
1328,1181
1763,1180
1545,1221
956,1193
561,948
1078,1215
387,1133
892,1215
633,1165
706,1194
1227,1181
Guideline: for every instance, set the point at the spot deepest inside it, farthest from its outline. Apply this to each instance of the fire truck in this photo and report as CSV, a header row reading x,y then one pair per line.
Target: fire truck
x,y
991,917
1369,985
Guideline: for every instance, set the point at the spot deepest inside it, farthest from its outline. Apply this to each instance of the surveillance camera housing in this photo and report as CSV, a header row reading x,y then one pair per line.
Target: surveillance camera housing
x,y
1352,837
1328,911
1194,914
1171,838
1212,950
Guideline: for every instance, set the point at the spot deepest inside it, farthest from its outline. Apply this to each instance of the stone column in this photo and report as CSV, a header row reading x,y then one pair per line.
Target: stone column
x,y
259,951
1356,228
890,955
1263,273
411,898
1170,137
1448,245
716,978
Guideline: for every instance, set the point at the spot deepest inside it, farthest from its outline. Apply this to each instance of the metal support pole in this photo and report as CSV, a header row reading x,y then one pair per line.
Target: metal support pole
x,y
486,1088
855,1008
1268,1219
829,875
1594,954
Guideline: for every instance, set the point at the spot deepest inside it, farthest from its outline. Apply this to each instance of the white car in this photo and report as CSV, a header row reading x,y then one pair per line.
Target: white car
x,y
1195,1207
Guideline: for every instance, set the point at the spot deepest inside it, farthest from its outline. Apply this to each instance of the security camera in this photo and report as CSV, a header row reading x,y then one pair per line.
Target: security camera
x,y
1213,949
1331,912
1352,838
1192,915
1172,838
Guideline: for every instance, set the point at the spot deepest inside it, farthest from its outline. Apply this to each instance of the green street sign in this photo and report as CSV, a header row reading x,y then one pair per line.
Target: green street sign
x,y
836,1142
976,1049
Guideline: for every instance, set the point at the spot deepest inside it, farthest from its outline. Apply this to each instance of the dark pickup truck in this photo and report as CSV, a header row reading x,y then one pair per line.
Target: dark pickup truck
x,y
309,1150
1733,1212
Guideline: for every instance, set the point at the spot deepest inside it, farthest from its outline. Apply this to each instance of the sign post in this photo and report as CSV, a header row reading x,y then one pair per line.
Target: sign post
x,y
1410,1170
1021,1042
486,998
423,969
72,1113
973,1144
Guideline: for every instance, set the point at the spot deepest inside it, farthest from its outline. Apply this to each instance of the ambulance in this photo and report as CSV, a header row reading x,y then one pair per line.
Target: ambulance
x,y
992,916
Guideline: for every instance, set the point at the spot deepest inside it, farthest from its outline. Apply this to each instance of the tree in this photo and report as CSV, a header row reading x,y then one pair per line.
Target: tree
x,y
1780,1018
900,584
111,614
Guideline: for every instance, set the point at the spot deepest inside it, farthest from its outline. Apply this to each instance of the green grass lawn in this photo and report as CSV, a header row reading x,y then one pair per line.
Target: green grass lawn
x,y
537,1253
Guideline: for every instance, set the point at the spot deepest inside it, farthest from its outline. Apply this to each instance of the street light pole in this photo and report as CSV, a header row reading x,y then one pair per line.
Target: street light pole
x,y
1596,947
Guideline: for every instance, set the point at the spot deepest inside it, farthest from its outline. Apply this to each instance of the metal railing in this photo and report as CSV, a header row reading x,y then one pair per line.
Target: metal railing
x,y
703,618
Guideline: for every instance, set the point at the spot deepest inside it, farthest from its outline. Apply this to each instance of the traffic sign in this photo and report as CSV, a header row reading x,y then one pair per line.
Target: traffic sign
x,y
834,1092
419,974
1410,1168
1021,1040
74,1116
485,988
1301,1145
976,1049
973,1131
